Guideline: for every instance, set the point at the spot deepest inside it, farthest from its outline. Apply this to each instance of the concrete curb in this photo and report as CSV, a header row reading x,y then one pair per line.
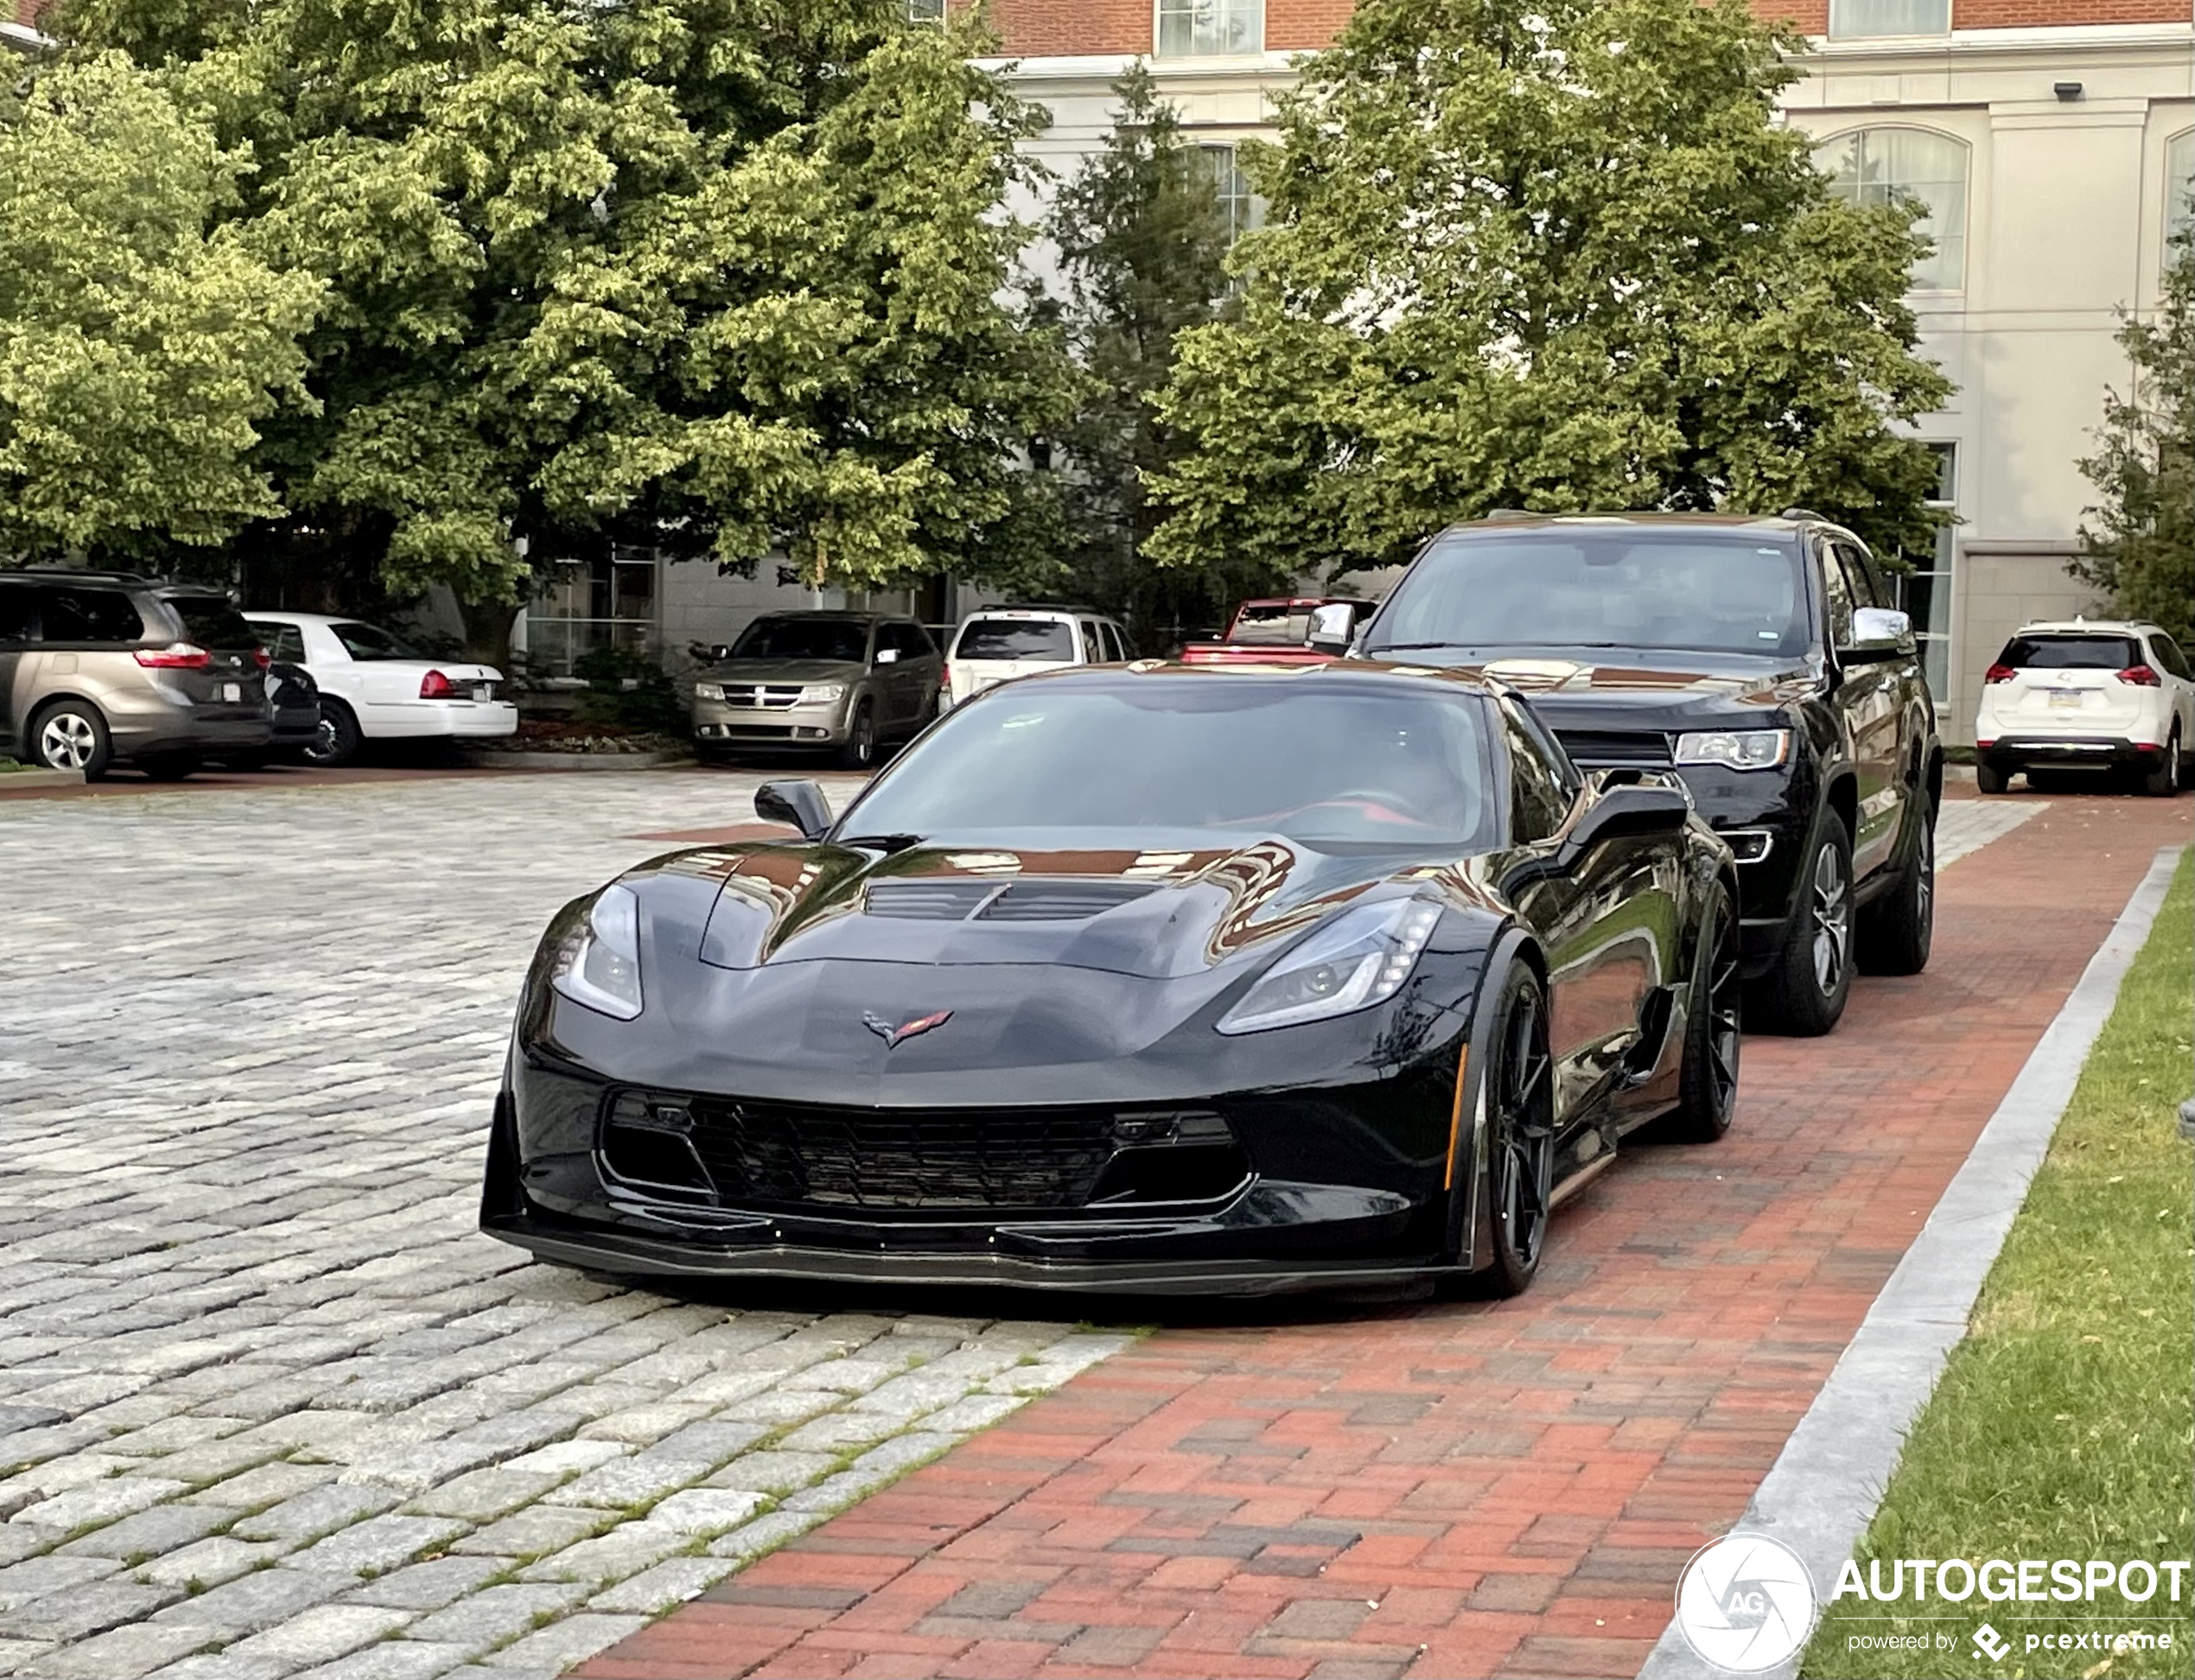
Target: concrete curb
x,y
1822,1492
24,781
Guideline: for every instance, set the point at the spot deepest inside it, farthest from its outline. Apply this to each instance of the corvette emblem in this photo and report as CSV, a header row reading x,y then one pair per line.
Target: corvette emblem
x,y
893,1035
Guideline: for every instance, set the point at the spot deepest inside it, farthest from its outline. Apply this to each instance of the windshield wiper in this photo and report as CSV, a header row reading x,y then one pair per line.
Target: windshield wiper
x,y
887,844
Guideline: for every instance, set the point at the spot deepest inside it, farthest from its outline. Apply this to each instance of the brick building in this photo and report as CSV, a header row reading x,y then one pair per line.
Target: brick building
x,y
2054,141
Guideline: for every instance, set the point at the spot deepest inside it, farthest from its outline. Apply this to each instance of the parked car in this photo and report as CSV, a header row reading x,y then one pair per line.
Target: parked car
x,y
1142,979
2090,693
817,682
999,643
374,686
99,668
1762,660
1274,632
295,699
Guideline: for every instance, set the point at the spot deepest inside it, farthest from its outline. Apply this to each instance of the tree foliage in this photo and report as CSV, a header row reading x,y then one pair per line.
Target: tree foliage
x,y
140,343
1142,246
721,275
2138,544
1546,254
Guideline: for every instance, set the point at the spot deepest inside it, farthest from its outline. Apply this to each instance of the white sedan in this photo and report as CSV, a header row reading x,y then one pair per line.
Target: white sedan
x,y
373,687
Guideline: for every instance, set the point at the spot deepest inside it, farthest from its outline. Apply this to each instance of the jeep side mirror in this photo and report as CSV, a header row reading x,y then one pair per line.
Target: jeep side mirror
x,y
1878,634
798,805
1331,625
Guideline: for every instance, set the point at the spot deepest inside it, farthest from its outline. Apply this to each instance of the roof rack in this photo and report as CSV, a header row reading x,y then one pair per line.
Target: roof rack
x,y
1805,513
1504,515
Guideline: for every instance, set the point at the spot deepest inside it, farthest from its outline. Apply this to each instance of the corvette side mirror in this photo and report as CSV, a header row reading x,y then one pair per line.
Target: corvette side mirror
x,y
798,804
1331,627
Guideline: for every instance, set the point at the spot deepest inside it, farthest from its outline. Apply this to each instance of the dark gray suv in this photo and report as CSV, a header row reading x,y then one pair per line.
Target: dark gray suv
x,y
97,668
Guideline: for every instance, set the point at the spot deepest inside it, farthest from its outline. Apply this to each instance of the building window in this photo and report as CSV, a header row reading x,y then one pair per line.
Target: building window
x,y
1239,208
1210,28
2179,188
1874,166
590,605
1924,592
1863,20
926,11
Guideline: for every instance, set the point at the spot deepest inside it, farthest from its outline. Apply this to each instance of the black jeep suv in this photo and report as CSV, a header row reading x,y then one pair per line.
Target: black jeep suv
x,y
1763,660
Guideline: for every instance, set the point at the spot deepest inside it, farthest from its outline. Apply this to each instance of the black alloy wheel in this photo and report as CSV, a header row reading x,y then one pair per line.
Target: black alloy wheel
x,y
860,750
1897,930
1520,1134
1707,1087
339,738
1805,989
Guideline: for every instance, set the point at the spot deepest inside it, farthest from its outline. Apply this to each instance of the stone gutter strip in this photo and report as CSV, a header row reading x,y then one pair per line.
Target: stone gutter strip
x,y
1822,1491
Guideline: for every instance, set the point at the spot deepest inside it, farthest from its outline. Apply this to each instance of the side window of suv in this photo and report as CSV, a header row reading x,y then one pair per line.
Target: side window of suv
x,y
100,617
1838,594
1091,655
2167,652
1538,799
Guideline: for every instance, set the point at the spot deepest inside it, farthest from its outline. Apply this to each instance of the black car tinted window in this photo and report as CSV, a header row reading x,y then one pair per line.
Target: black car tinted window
x,y
73,614
1579,586
2072,653
212,621
16,602
843,639
1014,638
1335,764
1536,803
1857,576
368,642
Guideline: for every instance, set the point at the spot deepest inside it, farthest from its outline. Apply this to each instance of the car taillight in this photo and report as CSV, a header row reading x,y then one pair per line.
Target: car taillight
x,y
945,675
261,657
436,686
1983,746
176,656
2140,676
1998,673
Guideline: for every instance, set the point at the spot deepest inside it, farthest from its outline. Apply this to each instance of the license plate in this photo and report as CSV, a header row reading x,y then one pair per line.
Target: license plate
x,y
231,692
2067,698
479,691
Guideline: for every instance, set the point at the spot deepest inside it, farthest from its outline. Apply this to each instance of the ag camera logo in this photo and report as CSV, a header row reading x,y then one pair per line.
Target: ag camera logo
x,y
1746,1603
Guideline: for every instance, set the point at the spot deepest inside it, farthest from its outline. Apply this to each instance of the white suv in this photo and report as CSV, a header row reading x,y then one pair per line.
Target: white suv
x,y
2098,692
999,643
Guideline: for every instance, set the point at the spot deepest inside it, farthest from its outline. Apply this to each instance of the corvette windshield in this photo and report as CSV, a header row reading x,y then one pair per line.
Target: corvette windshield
x,y
1582,586
1325,764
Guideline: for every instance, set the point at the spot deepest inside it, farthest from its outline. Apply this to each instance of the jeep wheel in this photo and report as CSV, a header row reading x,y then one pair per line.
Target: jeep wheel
x,y
1896,930
1804,991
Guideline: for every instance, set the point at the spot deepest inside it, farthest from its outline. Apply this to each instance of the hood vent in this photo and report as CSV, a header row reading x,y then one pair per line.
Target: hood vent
x,y
1032,899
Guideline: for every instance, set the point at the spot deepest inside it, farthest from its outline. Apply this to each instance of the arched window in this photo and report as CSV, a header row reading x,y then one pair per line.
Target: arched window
x,y
1873,166
2180,185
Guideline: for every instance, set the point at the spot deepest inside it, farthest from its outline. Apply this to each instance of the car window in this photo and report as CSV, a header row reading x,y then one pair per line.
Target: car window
x,y
1537,802
1090,653
1127,642
1838,591
69,613
212,621
1857,577
1578,586
367,642
1175,755
2169,656
16,614
1015,639
281,641
790,637
914,641
2069,652
1272,623
1110,641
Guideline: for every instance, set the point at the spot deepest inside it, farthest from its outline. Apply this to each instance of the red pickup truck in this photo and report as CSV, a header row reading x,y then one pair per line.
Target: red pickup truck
x,y
1273,632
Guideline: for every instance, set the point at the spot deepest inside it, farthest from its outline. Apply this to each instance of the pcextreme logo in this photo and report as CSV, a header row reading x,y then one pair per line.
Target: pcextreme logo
x,y
1745,1603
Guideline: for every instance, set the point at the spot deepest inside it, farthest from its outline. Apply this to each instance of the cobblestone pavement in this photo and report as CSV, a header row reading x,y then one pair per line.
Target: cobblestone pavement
x,y
269,1404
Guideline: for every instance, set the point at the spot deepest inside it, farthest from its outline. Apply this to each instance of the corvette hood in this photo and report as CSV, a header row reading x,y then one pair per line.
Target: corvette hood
x,y
1120,904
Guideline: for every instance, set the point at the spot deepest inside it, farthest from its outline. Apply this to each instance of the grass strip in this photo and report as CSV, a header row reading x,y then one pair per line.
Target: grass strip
x,y
2064,1426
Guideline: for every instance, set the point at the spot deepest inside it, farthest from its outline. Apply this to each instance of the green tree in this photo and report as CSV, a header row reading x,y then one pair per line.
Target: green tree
x,y
140,343
2138,544
1546,254
718,276
1143,247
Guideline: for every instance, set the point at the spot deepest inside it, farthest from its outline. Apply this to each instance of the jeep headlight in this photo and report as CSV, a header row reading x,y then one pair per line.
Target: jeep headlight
x,y
1359,958
597,964
1736,749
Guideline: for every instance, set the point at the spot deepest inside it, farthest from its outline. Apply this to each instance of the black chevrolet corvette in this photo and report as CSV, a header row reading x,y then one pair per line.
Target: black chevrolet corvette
x,y
1140,979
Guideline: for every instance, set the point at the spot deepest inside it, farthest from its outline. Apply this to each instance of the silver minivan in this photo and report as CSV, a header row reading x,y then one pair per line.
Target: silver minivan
x,y
97,668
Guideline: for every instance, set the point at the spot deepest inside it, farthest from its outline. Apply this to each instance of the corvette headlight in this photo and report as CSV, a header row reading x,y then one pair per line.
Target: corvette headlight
x,y
709,691
1736,749
598,964
1359,958
821,694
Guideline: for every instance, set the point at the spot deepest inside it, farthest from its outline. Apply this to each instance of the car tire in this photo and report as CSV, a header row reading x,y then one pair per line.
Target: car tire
x,y
2164,781
1519,1083
1990,779
168,767
1896,931
1708,1084
1803,992
70,734
860,751
339,739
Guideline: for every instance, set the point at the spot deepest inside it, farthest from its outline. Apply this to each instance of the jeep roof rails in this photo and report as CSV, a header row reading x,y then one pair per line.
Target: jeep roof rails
x,y
1805,513
1504,515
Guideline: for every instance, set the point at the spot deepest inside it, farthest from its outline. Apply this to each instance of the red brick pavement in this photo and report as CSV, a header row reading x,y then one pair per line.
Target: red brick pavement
x,y
1460,1490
